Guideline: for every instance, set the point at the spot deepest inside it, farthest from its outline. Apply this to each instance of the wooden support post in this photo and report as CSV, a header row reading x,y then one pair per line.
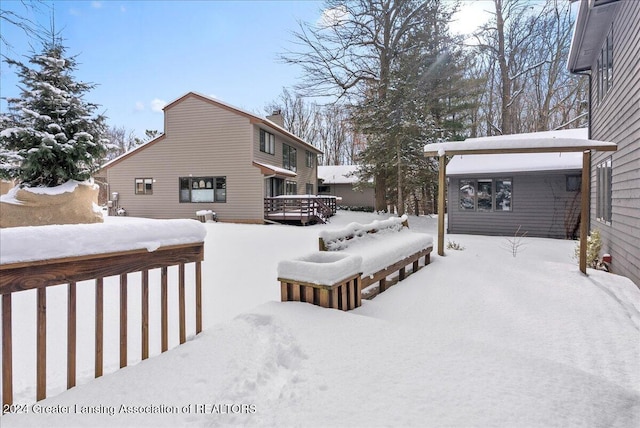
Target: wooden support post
x,y
99,328
164,310
284,292
7,352
323,297
344,290
442,190
383,285
123,320
358,291
145,314
334,297
198,297
308,294
416,266
181,304
41,345
295,292
402,273
585,191
71,335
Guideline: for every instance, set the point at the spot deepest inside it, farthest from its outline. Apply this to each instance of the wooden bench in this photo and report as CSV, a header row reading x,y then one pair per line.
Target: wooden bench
x,y
386,247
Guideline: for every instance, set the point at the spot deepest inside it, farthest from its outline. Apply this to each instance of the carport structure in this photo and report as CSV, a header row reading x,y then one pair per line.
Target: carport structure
x,y
538,142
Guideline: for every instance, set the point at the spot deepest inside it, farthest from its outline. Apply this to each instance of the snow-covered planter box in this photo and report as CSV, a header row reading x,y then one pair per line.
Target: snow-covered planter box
x,y
330,280
386,247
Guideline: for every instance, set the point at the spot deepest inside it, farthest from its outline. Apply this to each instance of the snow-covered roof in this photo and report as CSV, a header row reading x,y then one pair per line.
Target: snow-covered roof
x,y
567,140
338,174
274,170
514,162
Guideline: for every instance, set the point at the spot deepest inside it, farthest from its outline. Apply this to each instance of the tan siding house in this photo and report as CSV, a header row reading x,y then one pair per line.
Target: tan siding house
x,y
606,46
210,157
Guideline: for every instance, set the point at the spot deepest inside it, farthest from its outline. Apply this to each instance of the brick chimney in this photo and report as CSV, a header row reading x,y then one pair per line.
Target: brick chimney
x,y
277,118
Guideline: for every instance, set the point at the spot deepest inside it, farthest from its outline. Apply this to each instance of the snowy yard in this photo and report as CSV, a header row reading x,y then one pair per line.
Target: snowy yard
x,y
477,338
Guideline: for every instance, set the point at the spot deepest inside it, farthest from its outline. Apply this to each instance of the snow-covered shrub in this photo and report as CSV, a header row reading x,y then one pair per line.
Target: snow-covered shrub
x,y
594,245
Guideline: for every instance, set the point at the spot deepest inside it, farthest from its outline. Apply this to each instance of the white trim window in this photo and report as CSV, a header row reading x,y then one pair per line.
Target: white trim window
x,y
289,157
290,188
604,77
311,159
267,142
485,194
603,191
203,189
144,186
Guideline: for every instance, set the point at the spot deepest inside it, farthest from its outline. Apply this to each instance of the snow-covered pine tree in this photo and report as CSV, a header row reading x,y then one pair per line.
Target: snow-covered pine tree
x,y
50,134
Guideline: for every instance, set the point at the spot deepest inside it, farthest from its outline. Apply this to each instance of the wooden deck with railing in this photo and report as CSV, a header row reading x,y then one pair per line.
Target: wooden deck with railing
x,y
18,277
302,209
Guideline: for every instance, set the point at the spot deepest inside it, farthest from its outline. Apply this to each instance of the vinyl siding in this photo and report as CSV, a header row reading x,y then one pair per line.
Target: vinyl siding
x,y
617,119
304,174
201,139
540,205
351,197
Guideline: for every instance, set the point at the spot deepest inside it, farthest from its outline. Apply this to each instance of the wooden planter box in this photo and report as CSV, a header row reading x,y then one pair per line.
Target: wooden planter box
x,y
314,279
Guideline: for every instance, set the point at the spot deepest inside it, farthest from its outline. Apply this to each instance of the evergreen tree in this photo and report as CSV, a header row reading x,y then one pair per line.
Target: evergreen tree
x,y
50,134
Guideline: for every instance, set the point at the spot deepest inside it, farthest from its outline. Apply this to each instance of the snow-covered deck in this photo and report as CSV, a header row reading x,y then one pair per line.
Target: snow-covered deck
x,y
46,256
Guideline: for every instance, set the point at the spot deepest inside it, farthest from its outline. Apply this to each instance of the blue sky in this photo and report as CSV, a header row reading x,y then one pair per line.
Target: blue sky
x,y
143,54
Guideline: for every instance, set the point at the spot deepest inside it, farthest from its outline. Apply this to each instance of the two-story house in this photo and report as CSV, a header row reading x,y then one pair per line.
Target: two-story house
x,y
212,156
606,48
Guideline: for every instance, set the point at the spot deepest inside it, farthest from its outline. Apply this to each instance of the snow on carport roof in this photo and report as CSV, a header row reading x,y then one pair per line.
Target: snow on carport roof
x,y
569,140
514,162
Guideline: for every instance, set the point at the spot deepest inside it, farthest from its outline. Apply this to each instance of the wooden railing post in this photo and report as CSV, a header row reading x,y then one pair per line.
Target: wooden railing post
x,y
7,352
164,310
123,320
41,345
145,314
198,297
71,335
181,304
99,342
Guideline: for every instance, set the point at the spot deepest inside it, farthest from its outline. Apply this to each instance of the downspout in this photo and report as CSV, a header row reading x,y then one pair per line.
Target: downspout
x,y
588,196
590,98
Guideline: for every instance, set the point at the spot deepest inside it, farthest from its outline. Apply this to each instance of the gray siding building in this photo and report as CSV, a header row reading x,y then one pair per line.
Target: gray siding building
x,y
606,46
341,181
501,195
212,156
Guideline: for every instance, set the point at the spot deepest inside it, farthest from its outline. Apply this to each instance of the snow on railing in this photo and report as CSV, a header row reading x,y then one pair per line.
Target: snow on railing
x,y
153,245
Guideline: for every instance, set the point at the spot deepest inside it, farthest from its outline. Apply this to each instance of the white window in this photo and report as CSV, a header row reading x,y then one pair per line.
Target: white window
x,y
144,186
203,189
267,142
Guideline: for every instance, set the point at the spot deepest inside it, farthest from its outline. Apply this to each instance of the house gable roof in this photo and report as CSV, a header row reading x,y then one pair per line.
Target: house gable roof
x,y
252,118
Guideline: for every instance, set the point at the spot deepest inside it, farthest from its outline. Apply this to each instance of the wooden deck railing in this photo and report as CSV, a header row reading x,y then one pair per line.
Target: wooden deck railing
x,y
303,208
17,277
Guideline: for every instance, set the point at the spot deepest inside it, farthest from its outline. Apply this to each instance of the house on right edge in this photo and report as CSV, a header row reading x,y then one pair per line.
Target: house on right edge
x,y
606,47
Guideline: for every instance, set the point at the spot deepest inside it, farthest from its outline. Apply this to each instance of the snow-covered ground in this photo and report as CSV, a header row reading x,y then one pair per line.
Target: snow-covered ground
x,y
478,338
